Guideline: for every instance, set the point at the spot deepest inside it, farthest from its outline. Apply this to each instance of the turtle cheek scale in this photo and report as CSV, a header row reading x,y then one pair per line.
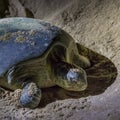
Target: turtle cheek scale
x,y
79,81
77,77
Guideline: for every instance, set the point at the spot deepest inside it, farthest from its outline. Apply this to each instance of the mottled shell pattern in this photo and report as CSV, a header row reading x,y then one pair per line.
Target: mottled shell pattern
x,y
22,39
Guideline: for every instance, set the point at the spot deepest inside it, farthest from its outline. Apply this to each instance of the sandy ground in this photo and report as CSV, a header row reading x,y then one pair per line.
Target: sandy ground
x,y
94,24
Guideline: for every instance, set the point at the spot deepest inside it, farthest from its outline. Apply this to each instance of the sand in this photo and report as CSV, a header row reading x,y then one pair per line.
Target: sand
x,y
94,24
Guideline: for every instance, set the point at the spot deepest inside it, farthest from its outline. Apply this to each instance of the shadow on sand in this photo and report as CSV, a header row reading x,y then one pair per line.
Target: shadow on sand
x,y
101,75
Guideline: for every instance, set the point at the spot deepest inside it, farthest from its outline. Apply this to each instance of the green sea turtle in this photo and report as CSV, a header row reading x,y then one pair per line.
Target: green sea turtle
x,y
35,54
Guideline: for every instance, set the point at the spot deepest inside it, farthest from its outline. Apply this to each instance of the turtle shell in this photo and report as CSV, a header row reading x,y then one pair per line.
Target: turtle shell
x,y
22,39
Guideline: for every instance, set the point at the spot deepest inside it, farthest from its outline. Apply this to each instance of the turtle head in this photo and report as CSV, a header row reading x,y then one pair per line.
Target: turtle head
x,y
71,78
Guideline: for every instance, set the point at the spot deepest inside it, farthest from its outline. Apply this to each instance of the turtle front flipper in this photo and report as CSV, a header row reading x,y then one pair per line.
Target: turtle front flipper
x,y
75,58
69,77
30,96
80,60
31,93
